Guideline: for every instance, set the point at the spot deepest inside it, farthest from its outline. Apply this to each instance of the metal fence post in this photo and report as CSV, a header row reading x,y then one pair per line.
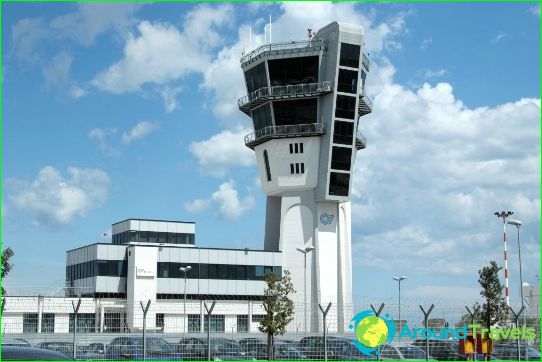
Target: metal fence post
x,y
473,336
425,318
209,311
377,313
516,320
324,312
75,311
145,309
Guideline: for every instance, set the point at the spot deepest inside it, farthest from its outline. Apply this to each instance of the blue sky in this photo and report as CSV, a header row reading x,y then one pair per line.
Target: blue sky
x,y
112,111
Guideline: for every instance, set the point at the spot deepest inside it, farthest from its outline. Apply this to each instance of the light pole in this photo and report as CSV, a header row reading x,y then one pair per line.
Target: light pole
x,y
306,250
185,270
399,279
518,224
503,215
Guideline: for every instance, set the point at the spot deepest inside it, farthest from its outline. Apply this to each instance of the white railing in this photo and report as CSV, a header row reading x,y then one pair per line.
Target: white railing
x,y
306,45
284,131
286,90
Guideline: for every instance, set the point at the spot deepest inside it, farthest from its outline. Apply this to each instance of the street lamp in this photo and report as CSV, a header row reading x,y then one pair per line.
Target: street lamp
x,y
503,215
399,279
306,250
185,270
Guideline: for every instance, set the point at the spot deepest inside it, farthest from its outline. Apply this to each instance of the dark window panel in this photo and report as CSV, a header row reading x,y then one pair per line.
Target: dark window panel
x,y
267,167
232,272
345,107
222,271
261,117
341,158
350,55
293,71
256,78
343,132
301,111
348,81
338,183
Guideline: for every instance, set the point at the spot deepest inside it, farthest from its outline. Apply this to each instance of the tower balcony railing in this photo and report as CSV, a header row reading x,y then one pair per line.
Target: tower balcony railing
x,y
365,62
262,95
365,105
291,130
361,141
284,48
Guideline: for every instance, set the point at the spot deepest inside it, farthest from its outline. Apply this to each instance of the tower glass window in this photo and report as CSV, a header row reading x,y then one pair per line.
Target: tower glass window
x,y
343,132
345,107
300,111
348,81
256,78
261,117
267,168
339,183
350,55
341,158
293,71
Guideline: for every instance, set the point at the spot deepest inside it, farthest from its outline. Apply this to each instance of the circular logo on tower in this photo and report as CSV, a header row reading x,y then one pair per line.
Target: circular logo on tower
x,y
372,332
326,218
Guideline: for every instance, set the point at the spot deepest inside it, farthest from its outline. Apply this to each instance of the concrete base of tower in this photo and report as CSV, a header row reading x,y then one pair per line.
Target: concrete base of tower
x,y
296,221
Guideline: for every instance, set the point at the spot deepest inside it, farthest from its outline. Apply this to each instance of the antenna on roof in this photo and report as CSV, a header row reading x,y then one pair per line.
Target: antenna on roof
x,y
269,28
250,38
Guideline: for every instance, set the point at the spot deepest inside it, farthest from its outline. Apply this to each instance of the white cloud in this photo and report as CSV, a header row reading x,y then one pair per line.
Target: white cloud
x,y
161,50
500,36
535,10
433,173
425,43
429,73
103,135
225,202
57,75
139,131
54,199
169,95
93,19
26,35
223,151
442,292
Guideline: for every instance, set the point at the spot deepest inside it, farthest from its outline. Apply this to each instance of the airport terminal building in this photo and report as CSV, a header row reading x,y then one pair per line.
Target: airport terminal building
x,y
305,100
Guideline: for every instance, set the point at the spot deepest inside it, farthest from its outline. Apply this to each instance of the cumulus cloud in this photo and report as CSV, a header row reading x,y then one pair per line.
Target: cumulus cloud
x,y
139,131
535,10
225,201
93,19
434,172
103,136
55,199
57,75
223,151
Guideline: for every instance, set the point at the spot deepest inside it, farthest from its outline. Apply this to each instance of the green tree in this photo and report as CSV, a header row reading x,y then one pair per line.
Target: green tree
x,y
278,306
6,268
494,311
476,310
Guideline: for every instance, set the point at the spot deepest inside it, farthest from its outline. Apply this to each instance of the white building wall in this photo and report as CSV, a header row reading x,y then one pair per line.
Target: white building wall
x,y
141,285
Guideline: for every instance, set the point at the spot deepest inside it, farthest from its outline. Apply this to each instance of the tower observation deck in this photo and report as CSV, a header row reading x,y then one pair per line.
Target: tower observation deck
x,y
305,99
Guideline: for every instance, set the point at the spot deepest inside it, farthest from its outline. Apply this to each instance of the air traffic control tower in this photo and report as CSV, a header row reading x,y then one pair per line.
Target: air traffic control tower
x,y
305,99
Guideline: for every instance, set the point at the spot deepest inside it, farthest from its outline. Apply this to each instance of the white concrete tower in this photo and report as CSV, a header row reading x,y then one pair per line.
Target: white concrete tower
x,y
305,99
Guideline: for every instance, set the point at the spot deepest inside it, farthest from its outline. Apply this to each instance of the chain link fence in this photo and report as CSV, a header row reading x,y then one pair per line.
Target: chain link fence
x,y
218,329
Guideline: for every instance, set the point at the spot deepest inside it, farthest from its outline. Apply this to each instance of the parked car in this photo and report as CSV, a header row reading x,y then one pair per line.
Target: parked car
x,y
283,351
16,353
337,349
442,349
508,351
15,342
94,351
245,343
131,348
195,349
60,346
402,352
